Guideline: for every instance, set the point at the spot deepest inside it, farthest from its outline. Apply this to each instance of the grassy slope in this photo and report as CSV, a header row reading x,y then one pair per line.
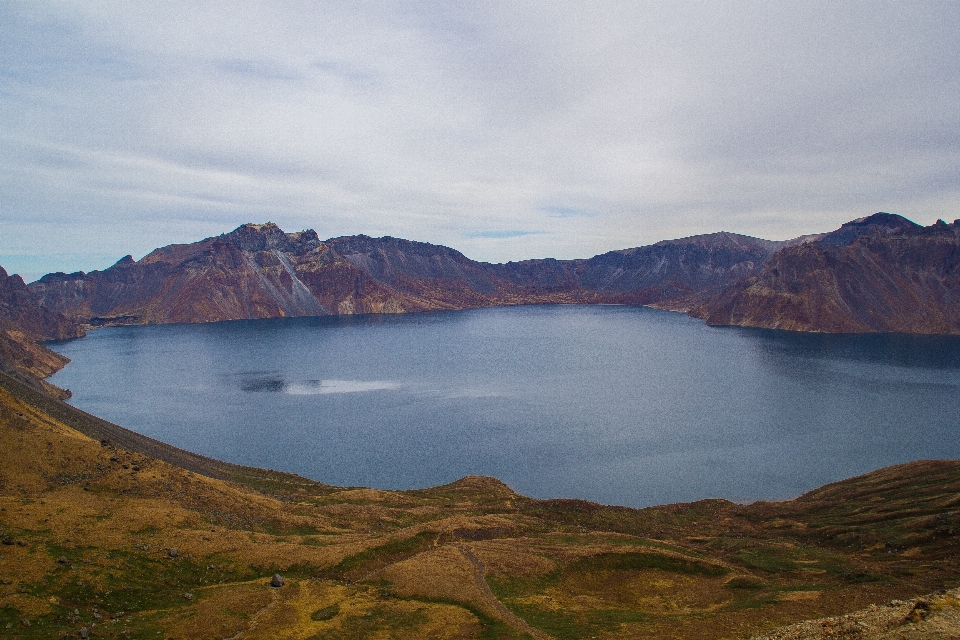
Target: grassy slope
x,y
87,527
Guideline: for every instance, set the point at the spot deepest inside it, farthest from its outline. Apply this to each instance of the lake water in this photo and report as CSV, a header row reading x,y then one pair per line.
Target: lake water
x,y
620,405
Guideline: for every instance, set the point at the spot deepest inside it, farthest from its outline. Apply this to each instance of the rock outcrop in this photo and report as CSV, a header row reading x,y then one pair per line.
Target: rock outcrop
x,y
882,273
23,324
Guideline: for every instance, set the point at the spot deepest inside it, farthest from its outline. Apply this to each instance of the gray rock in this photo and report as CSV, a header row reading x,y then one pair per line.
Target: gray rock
x,y
173,552
84,633
277,580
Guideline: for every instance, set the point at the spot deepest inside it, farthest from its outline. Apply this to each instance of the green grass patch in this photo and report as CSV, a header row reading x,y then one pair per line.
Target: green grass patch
x,y
765,560
637,560
132,582
506,587
278,529
378,622
748,583
490,628
385,553
574,625
753,601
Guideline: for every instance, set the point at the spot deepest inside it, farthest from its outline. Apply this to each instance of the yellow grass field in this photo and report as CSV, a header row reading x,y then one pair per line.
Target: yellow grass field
x,y
112,543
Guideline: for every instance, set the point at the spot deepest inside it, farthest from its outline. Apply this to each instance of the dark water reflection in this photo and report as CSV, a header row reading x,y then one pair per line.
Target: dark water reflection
x,y
898,350
615,404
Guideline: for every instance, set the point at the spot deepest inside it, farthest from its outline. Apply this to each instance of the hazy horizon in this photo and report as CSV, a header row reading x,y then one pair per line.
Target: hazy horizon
x,y
507,131
36,276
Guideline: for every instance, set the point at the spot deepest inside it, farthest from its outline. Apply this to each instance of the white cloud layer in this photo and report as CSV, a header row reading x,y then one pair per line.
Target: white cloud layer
x,y
505,130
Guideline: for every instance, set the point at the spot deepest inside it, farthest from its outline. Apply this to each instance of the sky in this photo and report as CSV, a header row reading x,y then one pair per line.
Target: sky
x,y
506,130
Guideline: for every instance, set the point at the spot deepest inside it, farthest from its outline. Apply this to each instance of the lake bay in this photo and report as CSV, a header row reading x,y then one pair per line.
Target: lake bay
x,y
615,404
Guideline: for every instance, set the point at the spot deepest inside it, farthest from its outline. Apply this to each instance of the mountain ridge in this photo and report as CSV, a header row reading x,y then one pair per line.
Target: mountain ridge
x,y
258,271
882,273
878,273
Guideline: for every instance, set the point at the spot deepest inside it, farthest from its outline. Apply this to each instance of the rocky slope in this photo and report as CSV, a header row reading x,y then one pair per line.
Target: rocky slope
x,y
23,323
882,273
258,271
675,273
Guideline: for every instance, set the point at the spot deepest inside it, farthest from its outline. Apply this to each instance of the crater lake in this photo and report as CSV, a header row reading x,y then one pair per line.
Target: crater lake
x,y
614,404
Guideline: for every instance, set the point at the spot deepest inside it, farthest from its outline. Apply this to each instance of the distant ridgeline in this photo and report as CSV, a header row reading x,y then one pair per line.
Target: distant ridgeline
x,y
875,274
258,271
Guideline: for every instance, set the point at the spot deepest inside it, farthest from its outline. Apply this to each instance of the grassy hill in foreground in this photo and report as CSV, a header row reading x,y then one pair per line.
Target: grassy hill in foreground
x,y
125,537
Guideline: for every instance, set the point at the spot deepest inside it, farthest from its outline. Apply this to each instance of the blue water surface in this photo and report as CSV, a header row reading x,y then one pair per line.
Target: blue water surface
x,y
616,404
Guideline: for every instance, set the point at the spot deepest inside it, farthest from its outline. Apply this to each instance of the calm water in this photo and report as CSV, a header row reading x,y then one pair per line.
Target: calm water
x,y
620,405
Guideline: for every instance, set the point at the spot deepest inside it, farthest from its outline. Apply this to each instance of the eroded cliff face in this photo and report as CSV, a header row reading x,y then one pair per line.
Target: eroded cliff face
x,y
877,274
258,271
23,324
677,273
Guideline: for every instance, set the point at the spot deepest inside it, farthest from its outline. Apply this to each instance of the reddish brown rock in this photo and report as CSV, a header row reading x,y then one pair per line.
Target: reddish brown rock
x,y
23,324
878,274
258,271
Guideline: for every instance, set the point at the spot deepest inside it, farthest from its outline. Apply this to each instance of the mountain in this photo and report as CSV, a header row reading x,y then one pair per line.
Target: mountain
x,y
23,324
878,273
673,273
258,271
882,273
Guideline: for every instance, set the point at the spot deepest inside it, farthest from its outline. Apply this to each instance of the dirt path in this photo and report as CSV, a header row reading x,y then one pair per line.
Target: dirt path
x,y
505,614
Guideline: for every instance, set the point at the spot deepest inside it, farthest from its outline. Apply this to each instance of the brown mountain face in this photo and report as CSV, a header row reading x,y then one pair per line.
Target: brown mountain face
x,y
23,323
675,273
882,273
258,271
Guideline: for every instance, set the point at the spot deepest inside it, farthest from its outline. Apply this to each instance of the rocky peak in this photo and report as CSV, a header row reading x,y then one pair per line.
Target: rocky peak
x,y
257,237
723,240
882,223
6,280
21,310
305,240
14,292
363,244
264,237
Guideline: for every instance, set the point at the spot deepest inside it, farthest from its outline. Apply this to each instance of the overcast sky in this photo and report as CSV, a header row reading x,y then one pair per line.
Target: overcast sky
x,y
505,130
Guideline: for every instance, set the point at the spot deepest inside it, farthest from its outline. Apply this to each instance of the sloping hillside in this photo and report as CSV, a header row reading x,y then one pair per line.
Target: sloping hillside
x,y
23,323
99,535
878,274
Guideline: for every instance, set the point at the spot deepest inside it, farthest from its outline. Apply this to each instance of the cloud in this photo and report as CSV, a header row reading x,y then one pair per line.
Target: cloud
x,y
566,212
498,235
601,126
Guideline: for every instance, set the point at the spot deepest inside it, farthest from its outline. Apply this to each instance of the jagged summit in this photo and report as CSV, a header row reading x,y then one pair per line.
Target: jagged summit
x,y
267,236
879,222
